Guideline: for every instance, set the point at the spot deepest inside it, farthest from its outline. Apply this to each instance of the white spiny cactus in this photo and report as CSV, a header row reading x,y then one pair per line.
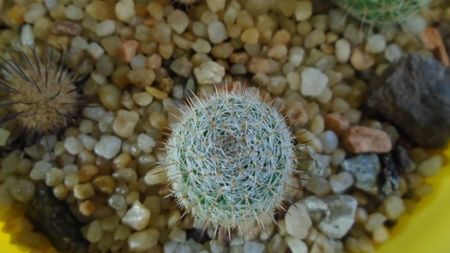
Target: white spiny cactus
x,y
230,159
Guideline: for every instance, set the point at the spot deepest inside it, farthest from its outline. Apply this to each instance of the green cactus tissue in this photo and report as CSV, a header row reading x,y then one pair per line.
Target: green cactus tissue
x,y
231,159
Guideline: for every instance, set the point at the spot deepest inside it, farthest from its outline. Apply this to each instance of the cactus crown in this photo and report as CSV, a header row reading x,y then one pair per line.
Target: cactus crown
x,y
230,160
380,12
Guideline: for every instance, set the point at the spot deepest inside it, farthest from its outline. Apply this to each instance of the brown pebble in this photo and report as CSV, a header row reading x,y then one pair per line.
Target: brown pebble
x,y
336,122
432,40
262,65
104,184
87,208
359,139
101,10
66,27
296,114
127,50
361,60
241,57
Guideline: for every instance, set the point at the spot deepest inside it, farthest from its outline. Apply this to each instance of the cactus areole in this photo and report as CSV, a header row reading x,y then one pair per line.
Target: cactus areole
x,y
230,159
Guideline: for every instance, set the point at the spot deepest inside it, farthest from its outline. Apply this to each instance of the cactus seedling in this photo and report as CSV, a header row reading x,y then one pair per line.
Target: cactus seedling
x,y
37,93
379,12
230,159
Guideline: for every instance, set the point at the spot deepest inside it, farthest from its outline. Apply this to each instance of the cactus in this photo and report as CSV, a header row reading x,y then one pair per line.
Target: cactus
x,y
230,160
379,12
38,93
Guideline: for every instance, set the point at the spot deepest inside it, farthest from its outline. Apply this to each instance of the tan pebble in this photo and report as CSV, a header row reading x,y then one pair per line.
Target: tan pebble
x,y
83,191
281,37
125,122
361,60
250,36
120,77
222,50
262,65
278,51
336,122
156,10
141,77
158,94
127,50
87,172
87,208
105,184
101,10
359,139
240,58
154,61
16,14
296,114
165,51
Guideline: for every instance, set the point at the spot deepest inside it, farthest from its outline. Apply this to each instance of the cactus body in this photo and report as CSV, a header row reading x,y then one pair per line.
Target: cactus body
x,y
230,160
380,12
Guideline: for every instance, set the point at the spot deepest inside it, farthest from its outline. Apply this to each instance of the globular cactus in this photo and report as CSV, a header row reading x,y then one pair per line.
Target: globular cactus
x,y
231,160
38,93
378,12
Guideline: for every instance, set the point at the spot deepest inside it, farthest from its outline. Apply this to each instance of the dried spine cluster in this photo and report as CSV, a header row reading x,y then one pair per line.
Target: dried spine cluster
x,y
230,160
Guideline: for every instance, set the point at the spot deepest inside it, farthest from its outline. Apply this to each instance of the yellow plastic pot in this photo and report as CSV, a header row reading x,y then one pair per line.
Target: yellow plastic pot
x,y
426,230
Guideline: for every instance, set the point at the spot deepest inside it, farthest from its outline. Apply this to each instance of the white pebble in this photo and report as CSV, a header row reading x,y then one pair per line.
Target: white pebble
x,y
296,245
72,145
177,235
26,35
125,10
376,44
95,50
39,170
72,12
143,241
329,141
253,247
341,182
105,28
415,24
145,142
313,82
343,50
217,32
303,11
137,217
108,146
297,221
296,55
209,72
393,53
51,4
35,12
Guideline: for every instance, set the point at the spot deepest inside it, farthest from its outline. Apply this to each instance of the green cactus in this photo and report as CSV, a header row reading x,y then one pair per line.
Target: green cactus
x,y
230,160
379,12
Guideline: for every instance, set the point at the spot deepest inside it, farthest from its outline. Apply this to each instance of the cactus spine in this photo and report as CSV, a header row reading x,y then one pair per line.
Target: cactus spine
x,y
230,160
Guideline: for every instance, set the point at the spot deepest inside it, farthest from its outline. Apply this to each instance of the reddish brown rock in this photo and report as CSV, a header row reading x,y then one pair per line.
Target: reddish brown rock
x,y
359,139
127,50
336,122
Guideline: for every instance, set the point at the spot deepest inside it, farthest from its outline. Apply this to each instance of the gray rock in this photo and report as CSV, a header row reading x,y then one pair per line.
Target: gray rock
x,y
402,159
341,216
415,95
365,169
389,175
317,208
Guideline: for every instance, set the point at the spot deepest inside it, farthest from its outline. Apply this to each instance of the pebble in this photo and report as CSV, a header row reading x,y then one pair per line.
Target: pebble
x,y
178,21
83,191
100,10
23,190
209,72
39,170
125,10
374,221
297,221
359,139
137,217
337,123
66,27
217,32
250,36
95,50
393,53
72,145
296,56
143,240
182,66
296,245
343,50
109,97
329,141
313,82
108,146
105,28
145,142
314,39
318,185
430,166
303,11
125,122
156,176
127,50
365,169
142,98
261,65
216,5
26,35
296,114
253,247
73,12
393,207
361,60
341,216
94,231
341,182
376,43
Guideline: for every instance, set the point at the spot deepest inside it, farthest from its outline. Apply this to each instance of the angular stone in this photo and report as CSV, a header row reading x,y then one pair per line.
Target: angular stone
x,y
341,217
297,221
365,169
415,95
359,139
